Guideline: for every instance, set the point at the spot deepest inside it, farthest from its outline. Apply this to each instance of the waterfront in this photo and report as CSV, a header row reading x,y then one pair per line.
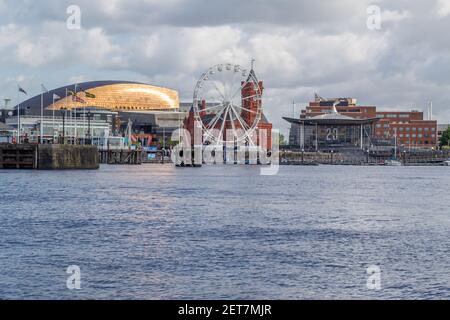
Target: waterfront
x,y
225,232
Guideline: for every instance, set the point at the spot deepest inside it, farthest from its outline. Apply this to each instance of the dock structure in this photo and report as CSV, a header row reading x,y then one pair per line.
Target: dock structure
x,y
48,157
18,156
122,157
355,157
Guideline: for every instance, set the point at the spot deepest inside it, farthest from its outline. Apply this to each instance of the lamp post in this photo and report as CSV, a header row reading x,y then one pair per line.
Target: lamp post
x,y
332,156
89,141
303,156
64,125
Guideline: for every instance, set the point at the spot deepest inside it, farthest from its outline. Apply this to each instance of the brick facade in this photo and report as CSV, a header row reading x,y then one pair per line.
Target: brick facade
x,y
411,128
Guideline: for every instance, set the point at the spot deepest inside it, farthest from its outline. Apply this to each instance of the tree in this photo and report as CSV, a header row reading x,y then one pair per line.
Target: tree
x,y
282,140
445,139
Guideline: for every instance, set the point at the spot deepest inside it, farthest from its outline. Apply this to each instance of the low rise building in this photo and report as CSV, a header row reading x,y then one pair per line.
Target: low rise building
x,y
409,127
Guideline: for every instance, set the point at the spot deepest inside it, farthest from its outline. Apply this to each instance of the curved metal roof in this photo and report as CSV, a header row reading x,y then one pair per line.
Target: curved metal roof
x,y
112,95
331,121
332,118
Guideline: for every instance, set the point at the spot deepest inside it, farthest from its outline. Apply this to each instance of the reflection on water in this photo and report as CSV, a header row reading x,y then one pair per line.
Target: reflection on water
x,y
157,232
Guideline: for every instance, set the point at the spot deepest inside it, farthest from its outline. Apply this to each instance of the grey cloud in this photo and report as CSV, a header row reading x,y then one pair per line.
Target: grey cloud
x,y
300,47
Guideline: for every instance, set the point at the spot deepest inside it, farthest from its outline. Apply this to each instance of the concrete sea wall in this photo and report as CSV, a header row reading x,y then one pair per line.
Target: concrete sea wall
x,y
48,157
63,157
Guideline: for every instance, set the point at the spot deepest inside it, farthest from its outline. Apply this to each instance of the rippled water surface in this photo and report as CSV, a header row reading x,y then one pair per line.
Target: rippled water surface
x,y
157,232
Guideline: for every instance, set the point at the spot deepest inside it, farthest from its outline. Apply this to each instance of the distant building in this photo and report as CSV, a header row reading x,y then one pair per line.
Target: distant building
x,y
410,128
107,106
327,129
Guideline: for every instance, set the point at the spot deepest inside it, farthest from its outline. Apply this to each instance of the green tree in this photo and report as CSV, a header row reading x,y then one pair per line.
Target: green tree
x,y
283,141
445,139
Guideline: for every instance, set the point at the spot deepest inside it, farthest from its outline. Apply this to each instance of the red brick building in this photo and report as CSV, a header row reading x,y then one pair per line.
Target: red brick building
x,y
411,128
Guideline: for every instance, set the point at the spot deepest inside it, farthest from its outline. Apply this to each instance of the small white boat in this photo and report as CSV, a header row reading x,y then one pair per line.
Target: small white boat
x,y
392,163
447,162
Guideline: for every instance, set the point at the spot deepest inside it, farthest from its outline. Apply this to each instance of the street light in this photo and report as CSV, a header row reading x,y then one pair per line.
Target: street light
x,y
64,110
89,141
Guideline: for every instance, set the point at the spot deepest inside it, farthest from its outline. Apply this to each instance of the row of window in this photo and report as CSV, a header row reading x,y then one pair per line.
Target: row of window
x,y
401,135
386,126
407,135
402,115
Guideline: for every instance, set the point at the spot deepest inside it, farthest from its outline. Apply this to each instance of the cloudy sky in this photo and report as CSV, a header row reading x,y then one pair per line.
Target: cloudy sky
x,y
300,47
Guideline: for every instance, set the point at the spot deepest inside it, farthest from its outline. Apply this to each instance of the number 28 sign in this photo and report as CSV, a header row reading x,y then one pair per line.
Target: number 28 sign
x,y
332,134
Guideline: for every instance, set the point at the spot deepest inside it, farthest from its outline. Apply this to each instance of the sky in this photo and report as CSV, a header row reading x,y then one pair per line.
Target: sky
x,y
397,60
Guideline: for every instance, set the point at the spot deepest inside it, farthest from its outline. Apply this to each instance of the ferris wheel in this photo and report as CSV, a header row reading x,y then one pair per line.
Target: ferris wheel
x,y
227,103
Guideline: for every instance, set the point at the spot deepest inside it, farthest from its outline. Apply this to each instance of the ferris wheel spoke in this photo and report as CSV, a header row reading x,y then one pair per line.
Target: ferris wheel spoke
x,y
213,107
218,90
248,110
239,90
235,133
214,120
232,84
250,97
241,121
223,125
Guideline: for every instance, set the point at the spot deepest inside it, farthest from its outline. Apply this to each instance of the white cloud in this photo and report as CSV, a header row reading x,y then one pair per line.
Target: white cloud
x,y
395,16
443,8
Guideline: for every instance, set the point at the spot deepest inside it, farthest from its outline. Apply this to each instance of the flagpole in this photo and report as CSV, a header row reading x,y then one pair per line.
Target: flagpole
x,y
18,118
76,122
71,124
64,133
53,117
84,124
75,132
42,117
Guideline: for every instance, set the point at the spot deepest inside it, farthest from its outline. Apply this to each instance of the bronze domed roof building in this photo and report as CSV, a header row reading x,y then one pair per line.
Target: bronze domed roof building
x,y
109,95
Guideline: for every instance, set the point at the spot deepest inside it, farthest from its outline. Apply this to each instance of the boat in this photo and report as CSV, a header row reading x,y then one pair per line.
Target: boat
x,y
447,162
392,163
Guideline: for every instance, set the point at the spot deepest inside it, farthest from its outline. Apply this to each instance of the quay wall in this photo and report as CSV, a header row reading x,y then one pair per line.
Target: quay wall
x,y
48,157
65,157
